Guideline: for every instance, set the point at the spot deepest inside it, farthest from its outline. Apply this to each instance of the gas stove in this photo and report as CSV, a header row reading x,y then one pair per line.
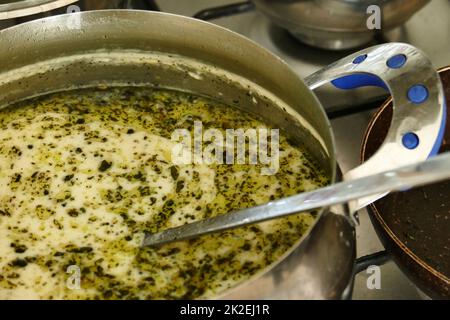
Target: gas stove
x,y
350,112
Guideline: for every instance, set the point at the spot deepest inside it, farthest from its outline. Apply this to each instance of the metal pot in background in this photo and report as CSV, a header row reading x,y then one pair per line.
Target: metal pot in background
x,y
336,24
121,47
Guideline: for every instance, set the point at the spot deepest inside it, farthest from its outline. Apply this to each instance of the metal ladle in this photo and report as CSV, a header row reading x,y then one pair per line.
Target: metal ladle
x,y
422,173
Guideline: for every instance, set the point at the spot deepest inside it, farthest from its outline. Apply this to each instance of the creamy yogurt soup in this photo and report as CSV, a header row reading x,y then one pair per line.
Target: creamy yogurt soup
x,y
84,173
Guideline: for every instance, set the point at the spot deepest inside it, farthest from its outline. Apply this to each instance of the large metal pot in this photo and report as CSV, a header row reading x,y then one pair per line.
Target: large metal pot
x,y
154,49
337,24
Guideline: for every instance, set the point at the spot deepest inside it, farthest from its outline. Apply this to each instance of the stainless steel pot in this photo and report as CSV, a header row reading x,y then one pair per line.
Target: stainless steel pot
x,y
153,49
336,24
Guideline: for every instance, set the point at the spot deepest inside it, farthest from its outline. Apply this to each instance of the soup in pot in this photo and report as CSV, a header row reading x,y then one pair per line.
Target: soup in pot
x,y
84,173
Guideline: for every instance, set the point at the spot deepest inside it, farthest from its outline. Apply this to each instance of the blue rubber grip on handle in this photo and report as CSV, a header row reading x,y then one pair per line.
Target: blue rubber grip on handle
x,y
358,80
441,133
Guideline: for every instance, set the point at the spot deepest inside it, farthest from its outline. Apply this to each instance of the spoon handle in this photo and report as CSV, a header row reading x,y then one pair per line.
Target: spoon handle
x,y
432,170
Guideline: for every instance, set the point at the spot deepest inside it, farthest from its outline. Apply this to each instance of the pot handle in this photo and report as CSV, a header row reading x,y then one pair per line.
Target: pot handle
x,y
378,259
418,121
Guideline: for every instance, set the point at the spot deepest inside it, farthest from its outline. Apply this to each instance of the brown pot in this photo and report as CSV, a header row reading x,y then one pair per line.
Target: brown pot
x,y
414,226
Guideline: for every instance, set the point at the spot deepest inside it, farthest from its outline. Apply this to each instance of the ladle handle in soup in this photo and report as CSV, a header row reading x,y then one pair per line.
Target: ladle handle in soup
x,y
429,171
418,121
